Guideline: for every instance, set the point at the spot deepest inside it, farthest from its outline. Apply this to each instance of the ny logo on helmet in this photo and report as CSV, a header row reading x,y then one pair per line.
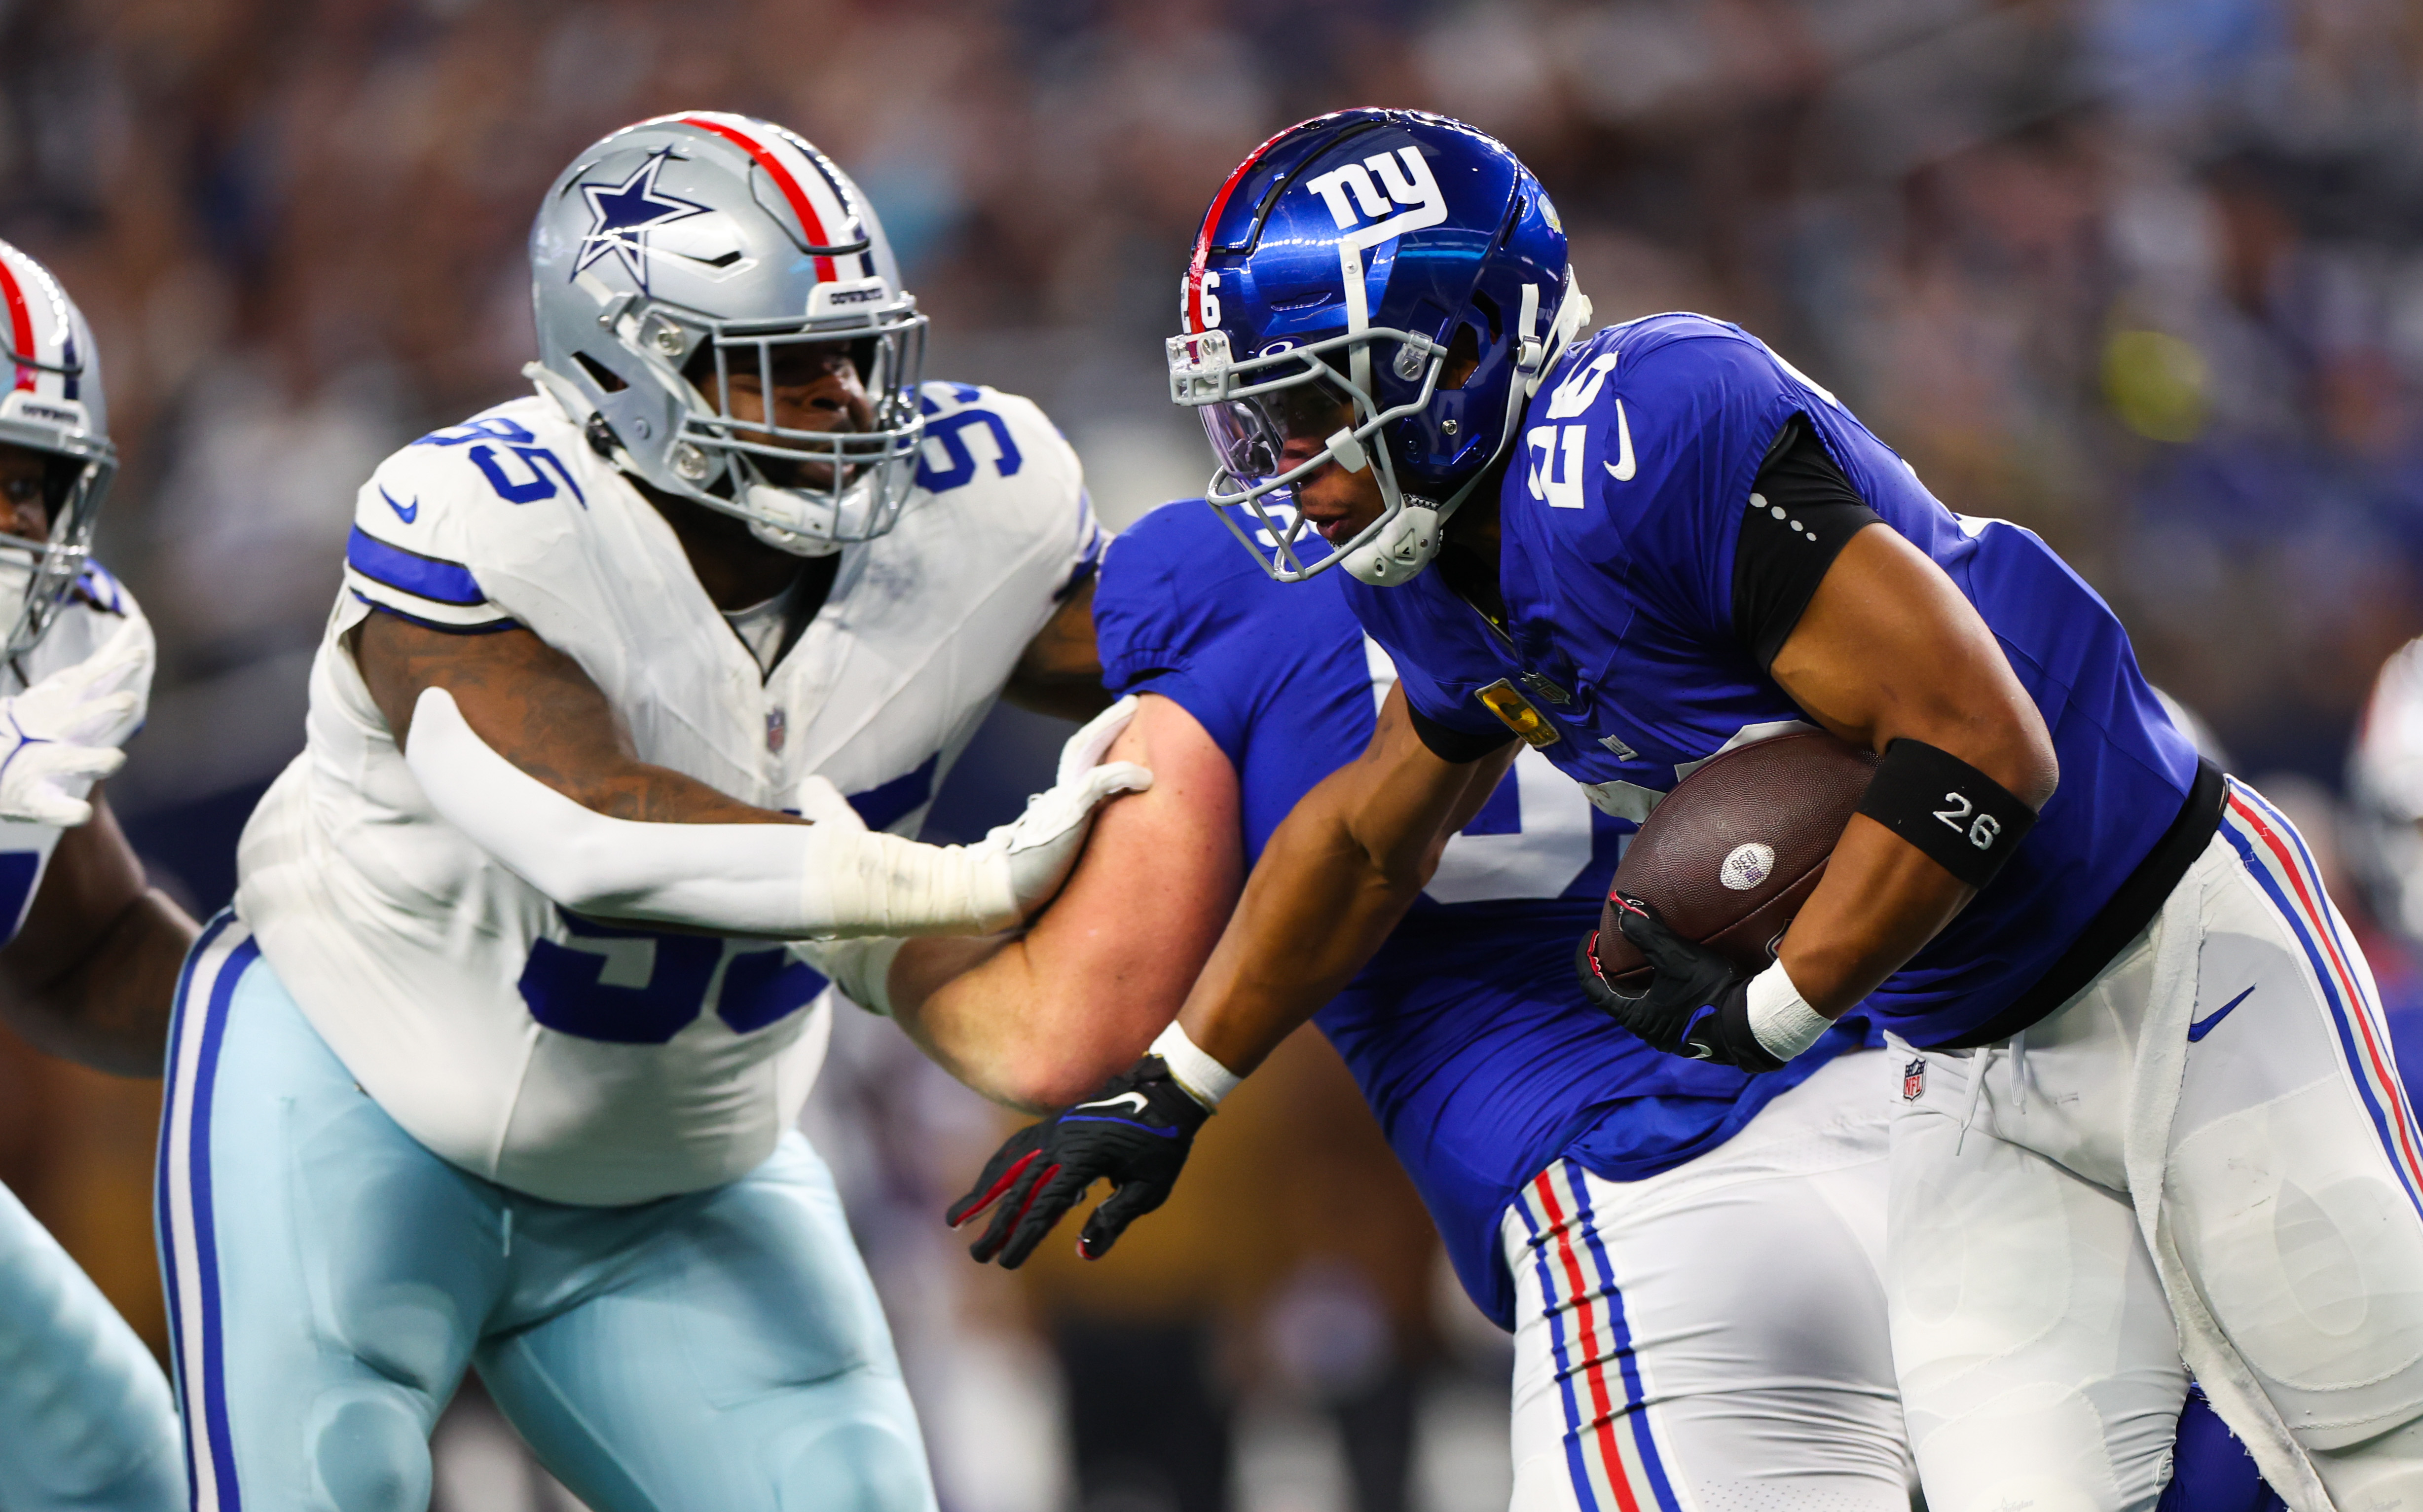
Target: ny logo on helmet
x,y
1353,195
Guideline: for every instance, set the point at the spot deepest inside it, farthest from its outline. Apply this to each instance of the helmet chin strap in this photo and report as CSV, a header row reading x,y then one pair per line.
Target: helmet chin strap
x,y
791,541
1407,540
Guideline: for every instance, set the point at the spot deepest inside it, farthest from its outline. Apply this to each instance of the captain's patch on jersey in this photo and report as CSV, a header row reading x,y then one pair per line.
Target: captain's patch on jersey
x,y
1516,712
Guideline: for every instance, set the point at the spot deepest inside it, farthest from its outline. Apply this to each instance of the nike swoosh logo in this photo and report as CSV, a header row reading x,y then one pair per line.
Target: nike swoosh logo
x,y
1138,1098
409,513
2204,1026
1622,468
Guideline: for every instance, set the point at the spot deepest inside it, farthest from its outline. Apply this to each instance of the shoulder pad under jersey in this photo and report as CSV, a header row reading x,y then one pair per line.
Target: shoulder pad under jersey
x,y
1000,455
417,523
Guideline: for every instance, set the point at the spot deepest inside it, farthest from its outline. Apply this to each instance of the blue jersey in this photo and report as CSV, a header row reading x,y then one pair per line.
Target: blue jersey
x,y
1466,1033
1618,522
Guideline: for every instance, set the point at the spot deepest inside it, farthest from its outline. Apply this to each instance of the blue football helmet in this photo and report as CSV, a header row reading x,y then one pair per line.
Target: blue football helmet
x,y
1348,270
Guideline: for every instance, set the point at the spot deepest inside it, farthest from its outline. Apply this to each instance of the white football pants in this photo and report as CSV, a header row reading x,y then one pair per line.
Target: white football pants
x,y
2207,1151
1712,1338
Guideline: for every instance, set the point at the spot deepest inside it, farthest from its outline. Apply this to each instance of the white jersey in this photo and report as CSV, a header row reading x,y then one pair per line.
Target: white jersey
x,y
574,1061
93,612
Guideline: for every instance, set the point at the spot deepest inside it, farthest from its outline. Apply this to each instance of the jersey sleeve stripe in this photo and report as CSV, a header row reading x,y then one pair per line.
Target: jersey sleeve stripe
x,y
424,577
433,617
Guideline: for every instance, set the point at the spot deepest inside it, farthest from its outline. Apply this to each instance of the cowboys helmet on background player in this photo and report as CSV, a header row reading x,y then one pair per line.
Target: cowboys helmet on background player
x,y
88,956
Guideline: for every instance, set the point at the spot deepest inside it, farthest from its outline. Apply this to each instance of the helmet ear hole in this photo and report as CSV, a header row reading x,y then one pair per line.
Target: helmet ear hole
x,y
599,373
1462,356
1489,311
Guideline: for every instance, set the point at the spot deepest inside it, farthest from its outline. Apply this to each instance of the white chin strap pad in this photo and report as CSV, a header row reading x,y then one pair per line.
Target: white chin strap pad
x,y
780,881
1403,544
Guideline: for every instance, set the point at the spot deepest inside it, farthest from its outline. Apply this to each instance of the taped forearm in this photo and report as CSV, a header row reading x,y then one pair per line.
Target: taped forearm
x,y
783,880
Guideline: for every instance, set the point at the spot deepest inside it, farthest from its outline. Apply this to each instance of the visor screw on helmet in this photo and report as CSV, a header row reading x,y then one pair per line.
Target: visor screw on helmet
x,y
690,462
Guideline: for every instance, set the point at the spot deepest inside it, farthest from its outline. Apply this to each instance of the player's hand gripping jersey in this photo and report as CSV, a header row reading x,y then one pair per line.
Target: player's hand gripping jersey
x,y
566,1058
1636,646
1482,1063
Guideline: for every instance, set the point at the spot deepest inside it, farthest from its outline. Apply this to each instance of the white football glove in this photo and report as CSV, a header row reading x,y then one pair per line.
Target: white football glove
x,y
61,735
1042,845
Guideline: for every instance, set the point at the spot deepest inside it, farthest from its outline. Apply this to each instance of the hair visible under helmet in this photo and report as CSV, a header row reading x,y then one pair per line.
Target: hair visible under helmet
x,y
709,242
1336,274
51,404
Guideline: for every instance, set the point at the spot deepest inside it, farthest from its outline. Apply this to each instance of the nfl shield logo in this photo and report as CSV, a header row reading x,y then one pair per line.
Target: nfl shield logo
x,y
1913,1080
776,727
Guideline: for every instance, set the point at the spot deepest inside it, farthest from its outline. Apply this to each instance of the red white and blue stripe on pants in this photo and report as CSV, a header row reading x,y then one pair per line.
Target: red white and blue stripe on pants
x,y
1612,1449
2276,857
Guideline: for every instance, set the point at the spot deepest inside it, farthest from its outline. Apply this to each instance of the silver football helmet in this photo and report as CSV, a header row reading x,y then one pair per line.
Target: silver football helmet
x,y
52,404
707,243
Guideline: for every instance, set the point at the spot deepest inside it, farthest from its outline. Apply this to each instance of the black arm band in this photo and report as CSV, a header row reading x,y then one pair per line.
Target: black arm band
x,y
1450,745
1966,821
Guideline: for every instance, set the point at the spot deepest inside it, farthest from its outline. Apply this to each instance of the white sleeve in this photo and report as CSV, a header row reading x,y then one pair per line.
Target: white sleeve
x,y
783,880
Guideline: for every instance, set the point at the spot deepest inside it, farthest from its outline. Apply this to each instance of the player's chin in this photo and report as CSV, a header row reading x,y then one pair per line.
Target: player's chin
x,y
803,476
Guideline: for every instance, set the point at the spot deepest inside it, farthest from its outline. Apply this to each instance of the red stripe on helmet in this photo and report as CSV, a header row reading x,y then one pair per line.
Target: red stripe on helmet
x,y
1212,221
21,324
809,222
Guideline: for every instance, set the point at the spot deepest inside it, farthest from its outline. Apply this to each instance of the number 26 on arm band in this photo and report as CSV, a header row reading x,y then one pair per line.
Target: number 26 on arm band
x,y
1964,820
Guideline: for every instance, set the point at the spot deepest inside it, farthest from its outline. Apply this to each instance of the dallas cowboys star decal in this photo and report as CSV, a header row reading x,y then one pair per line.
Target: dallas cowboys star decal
x,y
624,213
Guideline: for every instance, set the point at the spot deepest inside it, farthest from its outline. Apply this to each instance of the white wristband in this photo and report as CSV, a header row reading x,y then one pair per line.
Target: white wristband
x,y
1204,1079
1783,1023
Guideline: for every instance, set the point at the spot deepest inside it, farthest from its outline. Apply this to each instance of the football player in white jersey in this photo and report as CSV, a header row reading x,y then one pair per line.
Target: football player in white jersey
x,y
495,1061
88,954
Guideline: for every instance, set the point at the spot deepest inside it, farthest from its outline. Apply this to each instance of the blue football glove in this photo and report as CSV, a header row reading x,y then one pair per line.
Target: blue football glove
x,y
1697,1005
1134,1132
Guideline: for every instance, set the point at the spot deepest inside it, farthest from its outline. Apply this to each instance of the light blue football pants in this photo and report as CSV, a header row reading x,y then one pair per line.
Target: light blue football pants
x,y
329,1280
86,1420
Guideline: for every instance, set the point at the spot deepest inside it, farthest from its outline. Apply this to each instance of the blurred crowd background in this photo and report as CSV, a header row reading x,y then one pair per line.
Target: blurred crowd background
x,y
2140,274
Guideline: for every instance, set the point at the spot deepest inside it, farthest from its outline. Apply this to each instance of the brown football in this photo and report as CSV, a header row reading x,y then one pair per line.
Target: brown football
x,y
1738,847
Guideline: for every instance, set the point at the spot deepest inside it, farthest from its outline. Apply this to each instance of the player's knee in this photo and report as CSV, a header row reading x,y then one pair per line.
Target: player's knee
x,y
860,1465
372,1452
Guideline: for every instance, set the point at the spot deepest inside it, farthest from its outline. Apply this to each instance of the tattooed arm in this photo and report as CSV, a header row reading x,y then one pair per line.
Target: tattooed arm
x,y
534,707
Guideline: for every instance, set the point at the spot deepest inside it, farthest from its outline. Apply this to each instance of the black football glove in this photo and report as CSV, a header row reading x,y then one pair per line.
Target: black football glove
x,y
1697,1005
1134,1132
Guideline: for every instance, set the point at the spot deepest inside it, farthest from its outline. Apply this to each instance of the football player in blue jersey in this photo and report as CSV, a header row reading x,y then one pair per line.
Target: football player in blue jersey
x,y
1655,1356
88,952
1606,1204
2144,1105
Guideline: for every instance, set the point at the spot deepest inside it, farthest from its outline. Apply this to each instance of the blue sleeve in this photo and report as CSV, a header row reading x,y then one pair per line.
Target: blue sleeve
x,y
1673,432
1159,615
1438,646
